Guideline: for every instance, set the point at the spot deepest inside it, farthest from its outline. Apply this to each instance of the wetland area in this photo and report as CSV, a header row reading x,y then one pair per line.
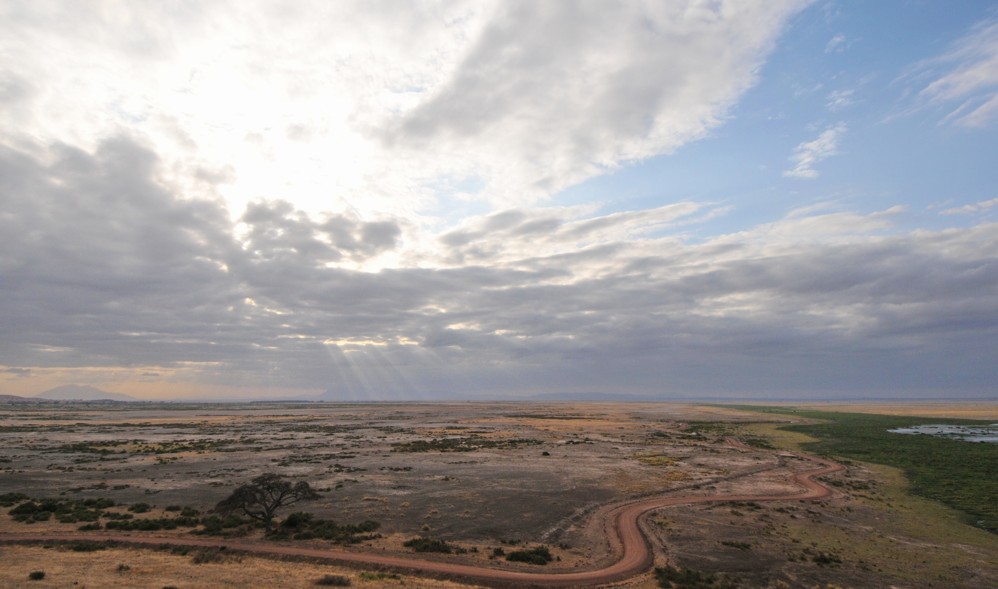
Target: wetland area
x,y
471,485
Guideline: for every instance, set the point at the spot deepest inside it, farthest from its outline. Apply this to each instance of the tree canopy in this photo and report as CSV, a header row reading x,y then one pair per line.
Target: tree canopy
x,y
264,495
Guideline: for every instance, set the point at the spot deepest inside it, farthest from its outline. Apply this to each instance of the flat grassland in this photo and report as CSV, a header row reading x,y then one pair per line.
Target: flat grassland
x,y
484,479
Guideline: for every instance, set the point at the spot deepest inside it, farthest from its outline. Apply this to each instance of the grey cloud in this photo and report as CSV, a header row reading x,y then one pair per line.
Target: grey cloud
x,y
13,89
380,236
104,266
278,231
520,233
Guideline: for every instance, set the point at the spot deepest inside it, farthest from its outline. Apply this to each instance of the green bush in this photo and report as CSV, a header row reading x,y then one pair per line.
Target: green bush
x,y
540,555
673,578
214,525
36,575
304,526
9,499
148,525
420,544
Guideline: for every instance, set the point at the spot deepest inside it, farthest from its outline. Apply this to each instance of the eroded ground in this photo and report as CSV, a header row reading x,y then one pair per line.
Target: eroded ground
x,y
492,476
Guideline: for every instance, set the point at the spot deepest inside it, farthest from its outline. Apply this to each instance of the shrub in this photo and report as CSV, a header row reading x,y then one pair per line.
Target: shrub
x,y
9,499
215,525
36,575
304,526
421,544
139,508
537,555
672,578
825,559
333,581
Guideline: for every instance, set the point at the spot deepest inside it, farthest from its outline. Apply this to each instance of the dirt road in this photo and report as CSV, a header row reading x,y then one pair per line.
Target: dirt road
x,y
628,542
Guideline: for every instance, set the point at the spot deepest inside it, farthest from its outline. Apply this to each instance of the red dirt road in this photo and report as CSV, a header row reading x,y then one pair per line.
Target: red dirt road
x,y
627,540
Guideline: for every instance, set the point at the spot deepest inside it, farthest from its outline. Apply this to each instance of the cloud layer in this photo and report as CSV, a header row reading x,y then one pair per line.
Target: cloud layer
x,y
379,108
106,266
471,199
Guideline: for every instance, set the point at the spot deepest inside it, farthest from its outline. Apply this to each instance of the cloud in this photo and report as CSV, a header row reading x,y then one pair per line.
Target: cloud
x,y
964,79
837,44
109,274
551,94
839,99
809,153
973,208
388,101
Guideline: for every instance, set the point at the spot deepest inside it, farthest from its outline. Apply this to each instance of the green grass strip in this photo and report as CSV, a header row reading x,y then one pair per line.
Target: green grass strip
x,y
960,474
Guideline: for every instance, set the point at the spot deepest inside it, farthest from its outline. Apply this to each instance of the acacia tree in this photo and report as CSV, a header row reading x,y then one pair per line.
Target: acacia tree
x,y
263,496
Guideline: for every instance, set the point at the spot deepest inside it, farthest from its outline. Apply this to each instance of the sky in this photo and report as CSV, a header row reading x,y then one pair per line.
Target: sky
x,y
387,200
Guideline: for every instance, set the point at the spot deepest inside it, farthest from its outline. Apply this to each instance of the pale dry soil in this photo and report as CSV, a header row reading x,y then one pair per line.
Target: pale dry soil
x,y
128,568
561,464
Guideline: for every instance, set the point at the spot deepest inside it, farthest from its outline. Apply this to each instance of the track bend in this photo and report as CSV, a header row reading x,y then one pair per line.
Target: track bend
x,y
628,541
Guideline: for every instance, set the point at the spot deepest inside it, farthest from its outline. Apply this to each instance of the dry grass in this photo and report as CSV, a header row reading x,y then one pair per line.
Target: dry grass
x,y
909,537
154,569
905,536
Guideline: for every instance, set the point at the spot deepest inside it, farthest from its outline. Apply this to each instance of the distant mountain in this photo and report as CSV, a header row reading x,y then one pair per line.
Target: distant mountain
x,y
18,399
75,392
593,396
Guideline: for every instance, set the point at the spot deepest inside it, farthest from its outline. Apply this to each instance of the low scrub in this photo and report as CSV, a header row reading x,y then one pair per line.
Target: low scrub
x,y
67,511
214,525
420,544
461,444
674,578
305,526
540,555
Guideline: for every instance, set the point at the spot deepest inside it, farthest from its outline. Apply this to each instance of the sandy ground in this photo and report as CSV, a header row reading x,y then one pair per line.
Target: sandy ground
x,y
129,568
579,457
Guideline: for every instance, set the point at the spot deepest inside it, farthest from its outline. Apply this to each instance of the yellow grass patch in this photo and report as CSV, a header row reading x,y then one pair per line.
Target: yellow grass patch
x,y
120,568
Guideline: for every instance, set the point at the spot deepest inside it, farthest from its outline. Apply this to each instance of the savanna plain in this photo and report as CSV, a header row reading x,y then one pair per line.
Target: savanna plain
x,y
124,494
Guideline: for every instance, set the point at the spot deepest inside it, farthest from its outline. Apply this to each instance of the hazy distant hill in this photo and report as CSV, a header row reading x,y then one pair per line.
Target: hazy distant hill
x,y
75,392
17,399
592,396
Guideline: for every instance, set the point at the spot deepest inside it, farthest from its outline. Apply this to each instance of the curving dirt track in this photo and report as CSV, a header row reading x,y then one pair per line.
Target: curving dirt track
x,y
628,542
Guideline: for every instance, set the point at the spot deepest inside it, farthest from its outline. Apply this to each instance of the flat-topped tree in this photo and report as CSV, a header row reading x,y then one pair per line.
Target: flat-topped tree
x,y
263,496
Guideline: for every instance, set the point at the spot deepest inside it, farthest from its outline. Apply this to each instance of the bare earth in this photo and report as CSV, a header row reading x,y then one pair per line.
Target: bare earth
x,y
588,480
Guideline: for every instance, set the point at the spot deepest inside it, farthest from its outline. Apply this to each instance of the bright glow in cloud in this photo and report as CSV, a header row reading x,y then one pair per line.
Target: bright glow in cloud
x,y
373,109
